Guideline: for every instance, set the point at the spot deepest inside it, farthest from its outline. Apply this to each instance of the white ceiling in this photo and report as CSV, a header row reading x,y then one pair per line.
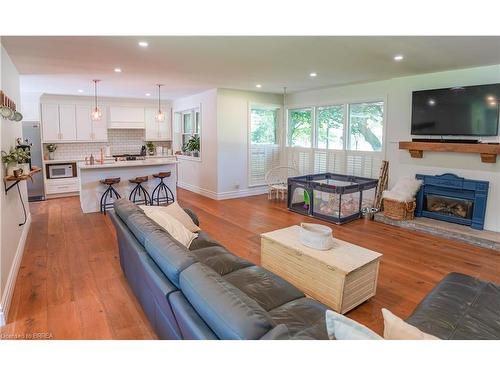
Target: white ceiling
x,y
186,65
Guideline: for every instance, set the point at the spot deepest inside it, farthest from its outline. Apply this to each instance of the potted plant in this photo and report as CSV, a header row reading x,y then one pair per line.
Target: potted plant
x,y
151,148
193,146
16,158
51,148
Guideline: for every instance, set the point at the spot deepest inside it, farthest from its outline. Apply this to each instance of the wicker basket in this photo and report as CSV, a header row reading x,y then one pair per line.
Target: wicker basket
x,y
399,210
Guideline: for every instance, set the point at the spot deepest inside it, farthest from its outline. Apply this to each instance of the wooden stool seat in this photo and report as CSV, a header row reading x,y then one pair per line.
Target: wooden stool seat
x,y
138,180
110,181
162,174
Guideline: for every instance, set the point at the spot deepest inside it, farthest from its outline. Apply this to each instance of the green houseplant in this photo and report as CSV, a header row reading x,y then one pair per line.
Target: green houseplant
x,y
193,146
51,148
14,159
151,148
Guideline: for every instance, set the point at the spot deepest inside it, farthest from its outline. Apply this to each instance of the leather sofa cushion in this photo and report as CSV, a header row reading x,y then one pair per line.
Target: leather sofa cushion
x,y
202,241
304,318
460,307
170,256
228,312
123,208
220,260
268,289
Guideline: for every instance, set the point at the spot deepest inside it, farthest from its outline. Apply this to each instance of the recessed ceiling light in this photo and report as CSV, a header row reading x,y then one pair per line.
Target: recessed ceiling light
x,y
80,90
490,97
398,57
313,74
258,85
143,44
148,94
432,102
118,70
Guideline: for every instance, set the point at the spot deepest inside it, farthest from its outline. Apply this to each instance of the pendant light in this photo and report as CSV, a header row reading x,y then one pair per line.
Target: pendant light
x,y
96,113
159,115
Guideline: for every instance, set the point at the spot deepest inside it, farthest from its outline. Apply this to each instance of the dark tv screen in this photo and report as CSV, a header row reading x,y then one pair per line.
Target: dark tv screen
x,y
471,110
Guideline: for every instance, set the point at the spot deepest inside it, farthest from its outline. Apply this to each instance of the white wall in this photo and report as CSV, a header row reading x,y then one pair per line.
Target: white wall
x,y
30,107
397,94
12,235
199,175
232,140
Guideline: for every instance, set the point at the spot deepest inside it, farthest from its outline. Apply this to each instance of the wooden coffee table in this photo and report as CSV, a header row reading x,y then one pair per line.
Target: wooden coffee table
x,y
341,278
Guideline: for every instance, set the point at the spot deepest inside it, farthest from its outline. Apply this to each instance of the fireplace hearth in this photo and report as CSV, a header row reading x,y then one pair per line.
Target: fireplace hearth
x,y
454,199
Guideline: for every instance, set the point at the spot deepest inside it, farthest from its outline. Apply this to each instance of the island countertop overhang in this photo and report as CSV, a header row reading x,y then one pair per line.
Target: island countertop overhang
x,y
127,164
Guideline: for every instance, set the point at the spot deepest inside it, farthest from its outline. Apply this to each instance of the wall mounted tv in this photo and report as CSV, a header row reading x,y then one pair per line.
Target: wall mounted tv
x,y
469,110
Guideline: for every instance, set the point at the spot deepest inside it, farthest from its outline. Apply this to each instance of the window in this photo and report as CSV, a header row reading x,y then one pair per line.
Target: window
x,y
330,127
366,126
263,145
263,125
300,127
190,129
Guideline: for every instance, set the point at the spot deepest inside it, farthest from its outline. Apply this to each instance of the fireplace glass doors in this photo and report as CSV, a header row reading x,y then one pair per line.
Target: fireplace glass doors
x,y
457,207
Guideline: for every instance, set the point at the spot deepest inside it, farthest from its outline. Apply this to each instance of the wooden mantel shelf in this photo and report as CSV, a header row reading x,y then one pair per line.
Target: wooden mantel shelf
x,y
488,152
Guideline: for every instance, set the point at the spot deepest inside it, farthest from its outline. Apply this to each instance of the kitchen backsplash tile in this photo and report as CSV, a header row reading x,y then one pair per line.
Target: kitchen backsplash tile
x,y
122,141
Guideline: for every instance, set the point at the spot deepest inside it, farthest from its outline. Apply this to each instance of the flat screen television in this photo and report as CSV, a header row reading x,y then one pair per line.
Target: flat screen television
x,y
466,111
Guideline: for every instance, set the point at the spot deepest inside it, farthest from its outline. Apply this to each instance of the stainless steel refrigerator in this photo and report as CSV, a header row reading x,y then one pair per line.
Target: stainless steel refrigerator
x,y
31,131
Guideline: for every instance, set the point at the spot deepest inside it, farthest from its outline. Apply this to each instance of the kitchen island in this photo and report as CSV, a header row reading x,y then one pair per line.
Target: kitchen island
x,y
91,189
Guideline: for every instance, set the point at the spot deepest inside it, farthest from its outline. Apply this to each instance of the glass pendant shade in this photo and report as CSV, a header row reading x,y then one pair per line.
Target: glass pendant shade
x,y
160,115
96,114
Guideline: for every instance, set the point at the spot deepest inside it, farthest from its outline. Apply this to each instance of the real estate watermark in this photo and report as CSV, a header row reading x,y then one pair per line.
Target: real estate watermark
x,y
27,336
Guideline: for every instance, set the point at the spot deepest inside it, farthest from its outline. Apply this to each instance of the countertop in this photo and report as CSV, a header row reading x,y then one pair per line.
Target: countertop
x,y
59,161
131,163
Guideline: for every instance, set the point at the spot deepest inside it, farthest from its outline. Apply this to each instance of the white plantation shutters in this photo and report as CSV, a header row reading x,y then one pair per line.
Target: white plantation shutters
x,y
262,159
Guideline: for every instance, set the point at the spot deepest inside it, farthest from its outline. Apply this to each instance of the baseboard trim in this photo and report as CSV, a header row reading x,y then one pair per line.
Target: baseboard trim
x,y
14,270
196,189
242,193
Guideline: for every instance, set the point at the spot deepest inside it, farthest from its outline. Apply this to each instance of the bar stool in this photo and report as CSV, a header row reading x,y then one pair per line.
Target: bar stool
x,y
108,193
138,190
156,196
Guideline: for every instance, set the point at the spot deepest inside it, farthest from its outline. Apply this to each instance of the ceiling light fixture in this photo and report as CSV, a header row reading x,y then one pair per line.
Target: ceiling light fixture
x,y
490,98
432,102
80,90
148,94
159,115
258,85
143,44
96,113
118,70
398,57
313,74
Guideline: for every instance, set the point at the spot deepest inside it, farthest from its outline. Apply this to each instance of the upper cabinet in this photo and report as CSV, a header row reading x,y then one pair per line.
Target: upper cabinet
x,y
157,130
72,123
126,117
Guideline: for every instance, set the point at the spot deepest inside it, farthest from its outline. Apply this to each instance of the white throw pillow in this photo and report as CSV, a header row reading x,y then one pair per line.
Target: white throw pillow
x,y
396,328
178,212
405,189
340,327
173,226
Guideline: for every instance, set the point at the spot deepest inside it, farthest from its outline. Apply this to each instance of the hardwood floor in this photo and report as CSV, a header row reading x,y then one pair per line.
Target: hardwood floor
x,y
70,284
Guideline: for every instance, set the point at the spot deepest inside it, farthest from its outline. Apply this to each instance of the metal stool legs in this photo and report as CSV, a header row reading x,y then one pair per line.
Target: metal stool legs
x,y
156,196
108,194
137,191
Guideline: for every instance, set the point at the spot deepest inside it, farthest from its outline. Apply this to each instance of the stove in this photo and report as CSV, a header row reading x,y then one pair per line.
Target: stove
x,y
129,157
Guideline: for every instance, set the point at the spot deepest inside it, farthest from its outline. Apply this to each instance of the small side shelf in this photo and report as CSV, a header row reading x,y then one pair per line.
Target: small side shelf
x,y
488,152
16,180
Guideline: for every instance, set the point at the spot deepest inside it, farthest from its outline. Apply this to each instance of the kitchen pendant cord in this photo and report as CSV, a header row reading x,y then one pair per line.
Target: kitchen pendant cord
x,y
24,208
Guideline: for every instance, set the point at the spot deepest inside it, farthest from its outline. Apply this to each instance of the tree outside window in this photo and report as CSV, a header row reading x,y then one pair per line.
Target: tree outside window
x,y
330,127
366,125
300,127
263,125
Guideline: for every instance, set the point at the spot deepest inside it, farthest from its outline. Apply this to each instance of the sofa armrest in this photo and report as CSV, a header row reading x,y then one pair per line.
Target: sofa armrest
x,y
193,216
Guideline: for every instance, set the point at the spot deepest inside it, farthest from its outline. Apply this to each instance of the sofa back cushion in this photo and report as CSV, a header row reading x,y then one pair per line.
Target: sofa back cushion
x,y
229,312
170,256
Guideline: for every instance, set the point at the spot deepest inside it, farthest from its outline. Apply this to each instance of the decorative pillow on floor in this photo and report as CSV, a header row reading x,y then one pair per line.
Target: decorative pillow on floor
x,y
340,327
173,226
396,328
178,213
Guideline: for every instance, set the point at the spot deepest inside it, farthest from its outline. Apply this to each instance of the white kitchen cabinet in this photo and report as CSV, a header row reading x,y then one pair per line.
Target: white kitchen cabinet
x,y
83,123
67,122
157,130
100,128
50,122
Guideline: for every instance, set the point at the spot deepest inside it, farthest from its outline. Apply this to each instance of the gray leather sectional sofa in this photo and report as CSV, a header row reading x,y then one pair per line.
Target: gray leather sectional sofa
x,y
206,292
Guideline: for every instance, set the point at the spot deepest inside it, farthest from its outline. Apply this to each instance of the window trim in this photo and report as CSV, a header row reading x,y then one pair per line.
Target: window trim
x,y
192,111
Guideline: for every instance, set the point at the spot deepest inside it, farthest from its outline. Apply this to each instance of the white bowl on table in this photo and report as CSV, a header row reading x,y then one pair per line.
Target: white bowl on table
x,y
316,236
